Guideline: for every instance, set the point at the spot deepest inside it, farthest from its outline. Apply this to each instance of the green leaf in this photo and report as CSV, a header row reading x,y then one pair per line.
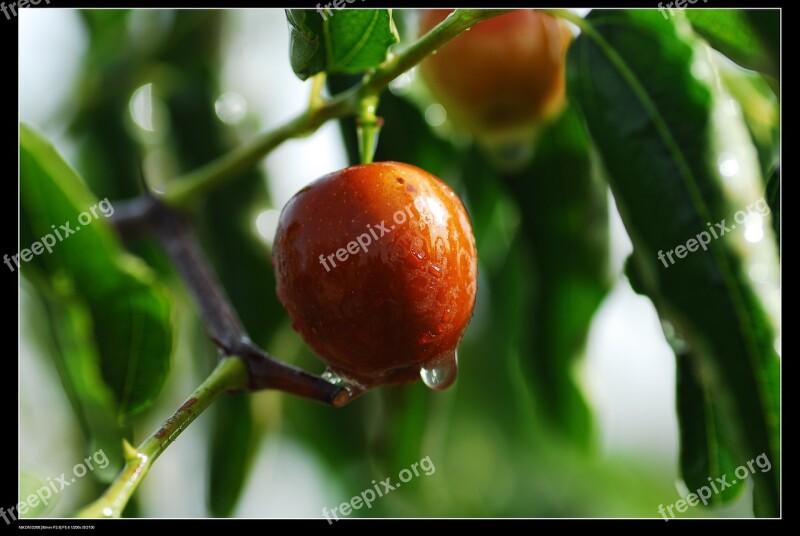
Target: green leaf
x,y
748,37
233,442
678,164
706,451
133,334
130,311
340,41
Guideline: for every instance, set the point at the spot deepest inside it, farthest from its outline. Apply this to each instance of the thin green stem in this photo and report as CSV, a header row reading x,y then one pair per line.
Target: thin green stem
x,y
368,128
230,375
199,182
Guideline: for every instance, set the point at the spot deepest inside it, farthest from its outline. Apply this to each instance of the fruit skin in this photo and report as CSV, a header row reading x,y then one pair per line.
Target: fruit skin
x,y
505,73
380,314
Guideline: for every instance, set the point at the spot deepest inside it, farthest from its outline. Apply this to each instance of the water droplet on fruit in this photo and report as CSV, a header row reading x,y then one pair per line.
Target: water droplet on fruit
x,y
434,270
440,372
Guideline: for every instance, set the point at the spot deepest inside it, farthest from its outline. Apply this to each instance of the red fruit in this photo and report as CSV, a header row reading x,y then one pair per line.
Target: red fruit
x,y
377,268
505,73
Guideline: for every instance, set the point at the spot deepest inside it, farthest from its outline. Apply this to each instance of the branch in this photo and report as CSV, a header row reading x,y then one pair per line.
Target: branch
x,y
230,375
217,313
244,367
199,182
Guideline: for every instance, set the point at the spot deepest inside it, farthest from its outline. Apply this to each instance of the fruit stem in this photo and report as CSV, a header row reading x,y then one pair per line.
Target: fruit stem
x,y
229,375
316,100
186,189
368,128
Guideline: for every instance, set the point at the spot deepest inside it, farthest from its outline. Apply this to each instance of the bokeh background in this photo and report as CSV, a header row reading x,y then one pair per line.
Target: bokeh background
x,y
166,91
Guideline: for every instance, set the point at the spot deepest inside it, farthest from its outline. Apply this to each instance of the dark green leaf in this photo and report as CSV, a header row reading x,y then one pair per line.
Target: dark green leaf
x,y
130,311
748,37
344,41
767,25
662,138
774,200
705,449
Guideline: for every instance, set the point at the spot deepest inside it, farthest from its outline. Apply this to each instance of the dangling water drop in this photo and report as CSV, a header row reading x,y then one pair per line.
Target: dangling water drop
x,y
440,372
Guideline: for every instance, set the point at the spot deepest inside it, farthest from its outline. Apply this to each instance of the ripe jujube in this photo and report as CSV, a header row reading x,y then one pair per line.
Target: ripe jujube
x,y
377,267
504,75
